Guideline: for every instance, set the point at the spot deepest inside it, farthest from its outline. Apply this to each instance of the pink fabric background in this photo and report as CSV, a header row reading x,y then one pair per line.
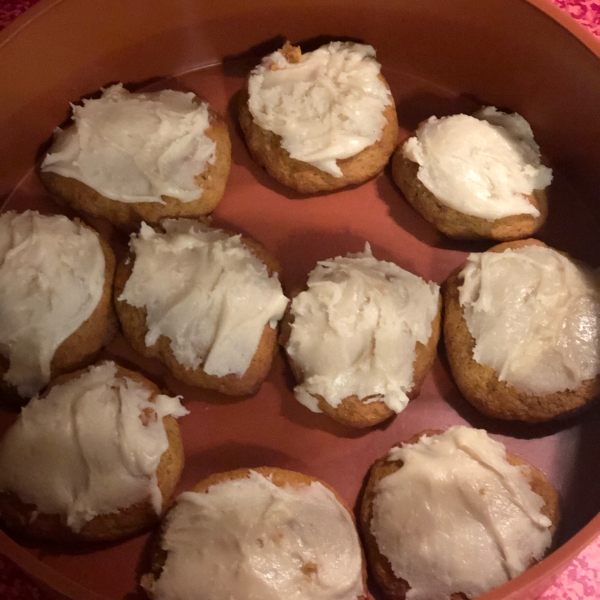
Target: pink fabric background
x,y
581,579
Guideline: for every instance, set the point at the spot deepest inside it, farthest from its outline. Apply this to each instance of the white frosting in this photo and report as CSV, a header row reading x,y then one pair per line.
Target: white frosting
x,y
212,299
535,317
136,147
84,451
355,330
457,517
482,165
51,280
249,539
326,107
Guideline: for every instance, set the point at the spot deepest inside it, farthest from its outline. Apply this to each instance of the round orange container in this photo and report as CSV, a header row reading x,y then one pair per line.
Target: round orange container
x,y
440,57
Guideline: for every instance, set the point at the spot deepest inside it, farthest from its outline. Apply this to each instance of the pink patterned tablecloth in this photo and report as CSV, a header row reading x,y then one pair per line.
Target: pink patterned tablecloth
x,y
579,581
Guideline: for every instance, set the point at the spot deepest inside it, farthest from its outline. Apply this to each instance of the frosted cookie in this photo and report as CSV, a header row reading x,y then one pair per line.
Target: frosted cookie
x,y
522,331
321,120
56,310
261,533
140,157
451,515
95,458
361,338
476,176
203,301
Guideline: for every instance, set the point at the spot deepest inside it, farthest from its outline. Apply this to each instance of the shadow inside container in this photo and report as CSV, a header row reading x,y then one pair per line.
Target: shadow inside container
x,y
581,496
416,108
149,560
516,429
41,549
234,455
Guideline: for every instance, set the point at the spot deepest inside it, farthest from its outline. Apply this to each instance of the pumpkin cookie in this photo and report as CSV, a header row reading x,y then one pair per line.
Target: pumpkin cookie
x,y
322,120
56,311
255,523
203,301
140,157
452,515
361,338
96,458
522,331
475,176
